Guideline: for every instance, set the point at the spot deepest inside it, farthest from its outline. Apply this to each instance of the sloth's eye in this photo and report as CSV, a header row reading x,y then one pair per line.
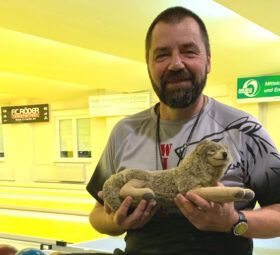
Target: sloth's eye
x,y
210,153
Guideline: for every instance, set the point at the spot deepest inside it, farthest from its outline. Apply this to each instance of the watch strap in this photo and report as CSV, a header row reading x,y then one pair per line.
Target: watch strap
x,y
241,217
240,227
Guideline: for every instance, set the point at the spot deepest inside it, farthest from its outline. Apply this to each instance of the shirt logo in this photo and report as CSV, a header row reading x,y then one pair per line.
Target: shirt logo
x,y
165,151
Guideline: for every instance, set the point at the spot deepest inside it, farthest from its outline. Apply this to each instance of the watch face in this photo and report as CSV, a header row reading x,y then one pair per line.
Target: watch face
x,y
240,228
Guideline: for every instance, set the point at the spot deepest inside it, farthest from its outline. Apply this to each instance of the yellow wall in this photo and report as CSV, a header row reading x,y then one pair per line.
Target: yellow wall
x,y
273,122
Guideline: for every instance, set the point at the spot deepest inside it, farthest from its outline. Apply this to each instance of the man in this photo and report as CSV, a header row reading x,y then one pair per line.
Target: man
x,y
178,59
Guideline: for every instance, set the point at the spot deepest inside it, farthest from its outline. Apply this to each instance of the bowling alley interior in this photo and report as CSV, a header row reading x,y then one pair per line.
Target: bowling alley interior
x,y
70,70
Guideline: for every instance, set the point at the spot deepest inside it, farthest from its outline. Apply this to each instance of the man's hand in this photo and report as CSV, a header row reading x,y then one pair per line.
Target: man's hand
x,y
140,216
205,215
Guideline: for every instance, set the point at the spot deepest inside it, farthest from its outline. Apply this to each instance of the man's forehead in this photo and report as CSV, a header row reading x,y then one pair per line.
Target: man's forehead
x,y
185,27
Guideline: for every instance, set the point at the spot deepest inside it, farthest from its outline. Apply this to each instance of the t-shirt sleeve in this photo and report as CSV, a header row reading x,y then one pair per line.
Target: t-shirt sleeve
x,y
263,161
104,169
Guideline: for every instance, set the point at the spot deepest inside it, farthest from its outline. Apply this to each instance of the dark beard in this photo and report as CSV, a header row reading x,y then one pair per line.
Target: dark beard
x,y
180,97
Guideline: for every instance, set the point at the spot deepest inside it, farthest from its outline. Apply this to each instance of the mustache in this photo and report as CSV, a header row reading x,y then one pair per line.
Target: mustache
x,y
176,76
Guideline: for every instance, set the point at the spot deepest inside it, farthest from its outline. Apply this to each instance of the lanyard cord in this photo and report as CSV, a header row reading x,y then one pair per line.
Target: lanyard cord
x,y
185,145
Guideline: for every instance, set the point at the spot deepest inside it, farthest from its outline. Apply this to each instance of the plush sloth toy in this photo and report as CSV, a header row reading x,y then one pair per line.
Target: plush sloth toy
x,y
198,172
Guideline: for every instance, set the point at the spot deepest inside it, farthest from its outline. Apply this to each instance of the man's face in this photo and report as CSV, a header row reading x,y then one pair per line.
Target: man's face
x,y
178,64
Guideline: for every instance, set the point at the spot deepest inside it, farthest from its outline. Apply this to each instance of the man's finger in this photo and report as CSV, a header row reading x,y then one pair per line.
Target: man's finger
x,y
220,184
148,211
180,201
122,211
184,205
140,208
100,194
198,200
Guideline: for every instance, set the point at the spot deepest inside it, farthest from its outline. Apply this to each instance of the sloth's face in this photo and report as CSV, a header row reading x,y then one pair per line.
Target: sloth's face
x,y
217,154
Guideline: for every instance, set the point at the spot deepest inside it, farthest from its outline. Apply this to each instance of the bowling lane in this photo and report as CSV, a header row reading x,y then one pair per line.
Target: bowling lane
x,y
71,228
44,215
48,211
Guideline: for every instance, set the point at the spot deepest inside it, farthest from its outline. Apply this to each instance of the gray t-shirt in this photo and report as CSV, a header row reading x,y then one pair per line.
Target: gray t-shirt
x,y
255,164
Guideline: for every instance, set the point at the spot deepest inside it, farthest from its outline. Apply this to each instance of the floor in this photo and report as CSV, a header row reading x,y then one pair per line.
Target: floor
x,y
62,214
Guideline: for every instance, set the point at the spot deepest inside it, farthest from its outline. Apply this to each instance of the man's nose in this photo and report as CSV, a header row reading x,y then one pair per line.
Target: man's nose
x,y
176,62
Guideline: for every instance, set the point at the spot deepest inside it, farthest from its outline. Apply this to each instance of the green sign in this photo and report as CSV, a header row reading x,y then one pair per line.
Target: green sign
x,y
258,89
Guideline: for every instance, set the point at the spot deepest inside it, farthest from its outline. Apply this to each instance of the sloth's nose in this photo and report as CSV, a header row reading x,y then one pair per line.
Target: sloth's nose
x,y
224,155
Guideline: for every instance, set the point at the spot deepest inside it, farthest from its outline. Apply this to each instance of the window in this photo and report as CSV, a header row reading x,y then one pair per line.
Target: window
x,y
83,138
74,138
2,154
66,139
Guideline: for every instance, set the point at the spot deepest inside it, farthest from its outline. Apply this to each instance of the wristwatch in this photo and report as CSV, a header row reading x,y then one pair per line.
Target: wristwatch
x,y
241,226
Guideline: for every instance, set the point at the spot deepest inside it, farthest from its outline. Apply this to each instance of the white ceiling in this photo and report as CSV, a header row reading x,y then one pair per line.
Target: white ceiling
x,y
64,49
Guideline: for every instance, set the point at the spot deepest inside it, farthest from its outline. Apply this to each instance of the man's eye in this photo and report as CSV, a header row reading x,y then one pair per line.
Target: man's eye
x,y
189,53
161,56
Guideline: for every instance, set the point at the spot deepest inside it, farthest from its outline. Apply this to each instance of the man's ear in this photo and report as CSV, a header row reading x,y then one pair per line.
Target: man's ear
x,y
208,69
